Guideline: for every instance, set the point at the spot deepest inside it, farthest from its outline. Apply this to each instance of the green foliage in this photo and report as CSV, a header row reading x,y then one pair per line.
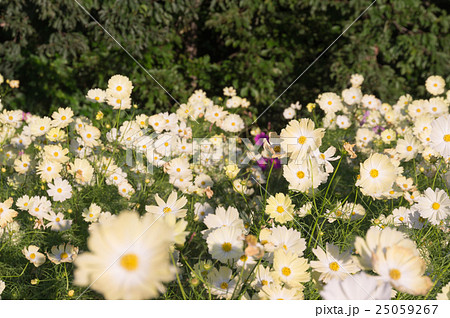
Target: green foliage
x,y
58,52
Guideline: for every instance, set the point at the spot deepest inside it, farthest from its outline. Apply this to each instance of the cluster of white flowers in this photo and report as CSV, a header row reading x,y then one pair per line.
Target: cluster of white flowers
x,y
171,188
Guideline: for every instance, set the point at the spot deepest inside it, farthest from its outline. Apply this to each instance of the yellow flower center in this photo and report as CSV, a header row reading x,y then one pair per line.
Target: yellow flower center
x,y
42,128
330,102
338,213
59,190
64,255
57,219
63,118
280,209
32,256
97,98
435,206
49,168
300,174
56,154
178,169
243,258
224,285
88,135
409,148
10,118
334,266
286,271
264,282
434,109
302,140
447,138
167,210
129,261
395,274
401,218
119,88
374,173
226,247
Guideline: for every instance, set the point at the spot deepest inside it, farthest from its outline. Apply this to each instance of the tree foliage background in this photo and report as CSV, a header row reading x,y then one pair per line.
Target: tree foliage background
x,y
259,46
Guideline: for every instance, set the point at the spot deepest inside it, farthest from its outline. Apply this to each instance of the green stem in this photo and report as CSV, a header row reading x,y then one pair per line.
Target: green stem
x,y
15,276
178,278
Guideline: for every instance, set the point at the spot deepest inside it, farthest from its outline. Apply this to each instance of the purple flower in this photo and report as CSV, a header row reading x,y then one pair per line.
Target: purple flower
x,y
25,116
259,138
266,163
366,114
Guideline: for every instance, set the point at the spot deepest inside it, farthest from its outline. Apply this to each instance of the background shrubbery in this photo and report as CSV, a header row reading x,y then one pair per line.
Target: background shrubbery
x,y
58,52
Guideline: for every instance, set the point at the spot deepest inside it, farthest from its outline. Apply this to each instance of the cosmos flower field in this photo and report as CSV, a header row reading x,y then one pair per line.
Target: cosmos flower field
x,y
350,200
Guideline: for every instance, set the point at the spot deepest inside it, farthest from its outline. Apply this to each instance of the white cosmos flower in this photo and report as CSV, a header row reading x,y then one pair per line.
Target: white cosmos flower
x,y
290,269
6,213
435,85
60,190
57,221
352,95
440,136
434,205
329,102
119,86
173,205
299,138
276,291
128,257
409,147
377,175
356,80
202,210
289,113
96,95
402,268
357,287
379,239
263,277
332,264
221,282
32,254
445,293
288,240
343,122
225,244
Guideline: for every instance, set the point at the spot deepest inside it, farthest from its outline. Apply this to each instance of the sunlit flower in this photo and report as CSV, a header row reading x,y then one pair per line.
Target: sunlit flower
x,y
128,258
32,254
403,269
356,287
173,206
332,264
434,205
435,85
290,269
60,190
280,208
225,244
64,253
